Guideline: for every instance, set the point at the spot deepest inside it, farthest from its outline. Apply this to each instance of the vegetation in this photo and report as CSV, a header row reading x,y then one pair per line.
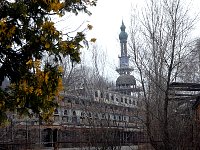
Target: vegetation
x,y
27,34
162,48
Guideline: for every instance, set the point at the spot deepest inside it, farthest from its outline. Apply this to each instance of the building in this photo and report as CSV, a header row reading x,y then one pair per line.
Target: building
x,y
124,96
125,83
108,117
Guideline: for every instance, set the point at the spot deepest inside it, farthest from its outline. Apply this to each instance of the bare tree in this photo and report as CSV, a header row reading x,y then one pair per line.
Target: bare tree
x,y
90,75
190,68
159,46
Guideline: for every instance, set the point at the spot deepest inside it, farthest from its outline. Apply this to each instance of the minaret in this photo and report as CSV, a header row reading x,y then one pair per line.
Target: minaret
x,y
124,58
125,83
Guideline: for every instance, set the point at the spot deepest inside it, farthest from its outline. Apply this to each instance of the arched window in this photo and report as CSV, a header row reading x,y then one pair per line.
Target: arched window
x,y
82,115
89,115
74,117
122,99
83,102
117,99
103,116
107,96
119,118
74,113
126,100
96,116
101,95
65,112
112,97
114,117
96,94
56,111
133,103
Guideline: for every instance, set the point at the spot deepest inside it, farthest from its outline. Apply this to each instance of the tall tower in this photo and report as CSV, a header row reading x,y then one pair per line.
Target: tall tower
x,y
125,83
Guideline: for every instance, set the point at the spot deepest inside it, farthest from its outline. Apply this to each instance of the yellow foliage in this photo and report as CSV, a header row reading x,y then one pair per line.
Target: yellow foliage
x,y
2,103
71,46
42,38
56,6
31,89
38,91
47,45
49,26
89,27
30,62
63,45
8,46
60,69
52,5
93,40
23,86
56,33
60,87
18,99
11,31
5,31
34,64
36,84
46,77
3,26
41,77
37,63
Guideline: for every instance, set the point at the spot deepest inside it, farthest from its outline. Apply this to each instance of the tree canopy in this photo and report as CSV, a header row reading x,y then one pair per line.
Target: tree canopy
x,y
27,32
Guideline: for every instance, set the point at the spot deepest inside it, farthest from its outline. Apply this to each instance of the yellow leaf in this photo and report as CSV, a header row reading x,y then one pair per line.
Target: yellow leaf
x,y
8,46
29,62
93,40
60,69
63,45
46,77
31,89
47,45
42,38
72,46
89,27
38,92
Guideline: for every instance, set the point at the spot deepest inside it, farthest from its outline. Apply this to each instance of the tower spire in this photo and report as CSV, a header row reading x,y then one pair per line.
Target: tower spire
x,y
123,27
125,83
124,58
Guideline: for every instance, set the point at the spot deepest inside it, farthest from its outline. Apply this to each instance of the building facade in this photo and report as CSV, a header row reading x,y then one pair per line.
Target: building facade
x,y
119,104
110,116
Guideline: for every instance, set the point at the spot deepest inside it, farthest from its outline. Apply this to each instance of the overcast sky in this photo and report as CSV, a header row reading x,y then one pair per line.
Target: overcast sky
x,y
106,21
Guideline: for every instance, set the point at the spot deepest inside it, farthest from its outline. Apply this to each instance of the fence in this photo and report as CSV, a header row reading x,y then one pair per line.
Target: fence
x,y
24,135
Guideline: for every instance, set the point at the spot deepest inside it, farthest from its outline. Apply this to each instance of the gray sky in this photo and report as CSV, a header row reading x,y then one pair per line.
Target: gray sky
x,y
106,21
